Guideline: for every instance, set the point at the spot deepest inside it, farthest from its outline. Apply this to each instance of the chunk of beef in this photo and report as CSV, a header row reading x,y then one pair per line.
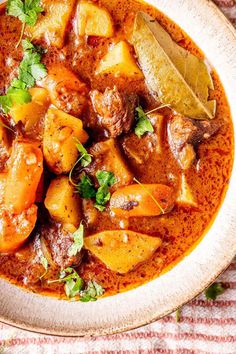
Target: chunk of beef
x,y
115,110
185,133
55,243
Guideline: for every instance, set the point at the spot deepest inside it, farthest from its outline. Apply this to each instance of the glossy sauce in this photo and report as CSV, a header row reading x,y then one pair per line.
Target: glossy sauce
x,y
179,230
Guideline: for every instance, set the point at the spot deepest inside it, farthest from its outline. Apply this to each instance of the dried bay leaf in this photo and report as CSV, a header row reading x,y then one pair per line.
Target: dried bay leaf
x,y
173,74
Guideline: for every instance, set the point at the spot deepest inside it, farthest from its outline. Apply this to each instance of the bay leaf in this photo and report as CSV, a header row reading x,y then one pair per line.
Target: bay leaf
x,y
174,75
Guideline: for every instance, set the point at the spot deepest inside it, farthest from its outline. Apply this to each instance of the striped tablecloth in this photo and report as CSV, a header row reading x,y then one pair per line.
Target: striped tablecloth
x,y
205,326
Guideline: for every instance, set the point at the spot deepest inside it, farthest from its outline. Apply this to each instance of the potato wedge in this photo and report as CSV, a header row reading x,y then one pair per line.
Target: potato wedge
x,y
25,170
119,62
63,204
94,20
107,156
59,140
51,26
15,229
185,196
145,200
122,250
30,113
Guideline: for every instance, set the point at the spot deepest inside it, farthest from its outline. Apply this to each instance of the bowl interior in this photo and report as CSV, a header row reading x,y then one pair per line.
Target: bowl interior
x,y
217,39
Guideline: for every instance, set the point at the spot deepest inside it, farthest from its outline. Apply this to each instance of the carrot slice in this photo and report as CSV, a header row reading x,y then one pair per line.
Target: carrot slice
x,y
142,200
25,170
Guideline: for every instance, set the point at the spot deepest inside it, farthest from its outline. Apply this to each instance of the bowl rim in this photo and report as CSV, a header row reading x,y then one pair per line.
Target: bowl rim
x,y
228,35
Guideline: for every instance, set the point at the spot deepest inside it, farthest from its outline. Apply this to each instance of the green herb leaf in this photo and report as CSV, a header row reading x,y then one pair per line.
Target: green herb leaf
x,y
86,188
102,196
30,69
78,237
105,178
86,158
143,123
214,290
74,286
73,282
27,11
92,291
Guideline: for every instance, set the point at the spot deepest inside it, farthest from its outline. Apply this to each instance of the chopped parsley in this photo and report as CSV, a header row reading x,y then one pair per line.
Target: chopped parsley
x,y
102,195
86,188
214,290
91,292
75,286
30,69
26,11
105,179
78,237
143,124
85,159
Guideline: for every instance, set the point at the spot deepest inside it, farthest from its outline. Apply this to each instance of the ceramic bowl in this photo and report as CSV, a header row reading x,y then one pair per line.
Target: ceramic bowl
x,y
210,30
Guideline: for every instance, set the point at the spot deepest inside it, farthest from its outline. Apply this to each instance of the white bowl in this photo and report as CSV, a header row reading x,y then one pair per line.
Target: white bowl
x,y
202,21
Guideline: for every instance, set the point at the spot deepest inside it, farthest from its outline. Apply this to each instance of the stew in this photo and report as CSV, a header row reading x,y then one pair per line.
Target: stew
x,y
116,145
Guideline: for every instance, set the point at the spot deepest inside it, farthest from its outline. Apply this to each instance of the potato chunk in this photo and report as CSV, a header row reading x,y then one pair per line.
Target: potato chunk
x,y
185,196
67,92
59,140
122,250
119,62
15,229
94,20
62,202
107,156
52,24
30,113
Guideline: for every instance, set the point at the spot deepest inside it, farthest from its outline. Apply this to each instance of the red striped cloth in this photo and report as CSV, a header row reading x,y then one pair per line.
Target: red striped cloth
x,y
205,326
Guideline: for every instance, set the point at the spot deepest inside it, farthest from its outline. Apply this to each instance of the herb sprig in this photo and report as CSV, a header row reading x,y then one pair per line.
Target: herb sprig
x,y
30,70
75,286
78,238
102,195
26,11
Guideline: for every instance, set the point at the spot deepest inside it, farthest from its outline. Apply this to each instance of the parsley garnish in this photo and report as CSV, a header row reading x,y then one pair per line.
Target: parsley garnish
x,y
86,188
26,11
78,237
30,69
91,292
143,123
74,286
214,290
105,179
85,159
